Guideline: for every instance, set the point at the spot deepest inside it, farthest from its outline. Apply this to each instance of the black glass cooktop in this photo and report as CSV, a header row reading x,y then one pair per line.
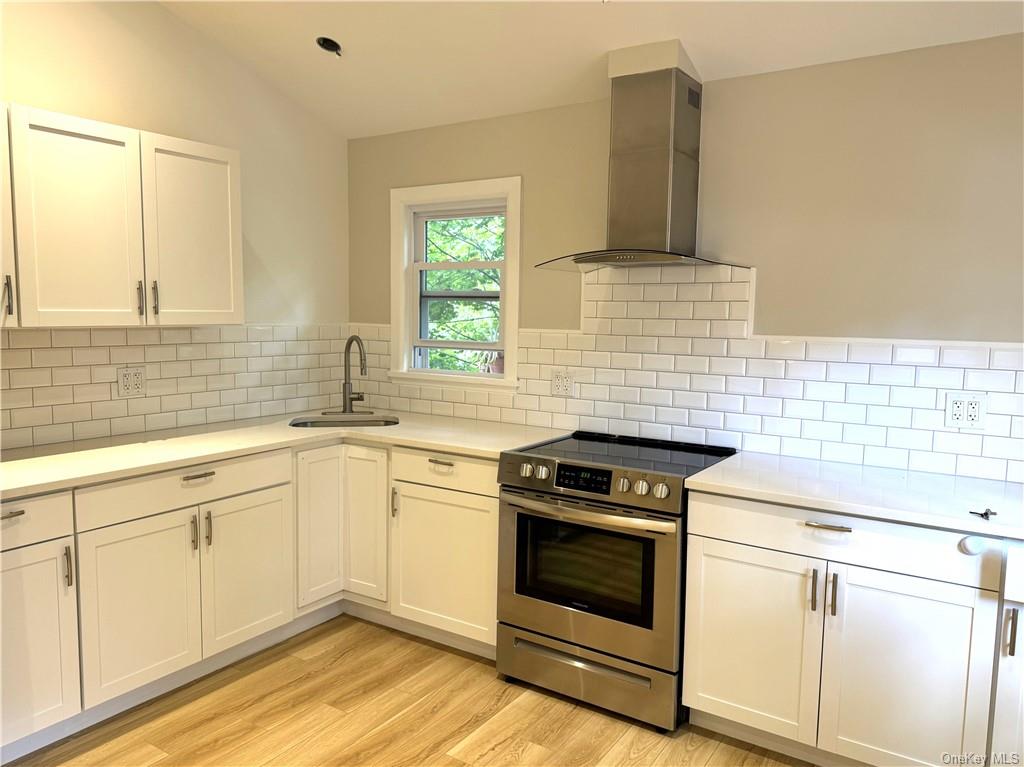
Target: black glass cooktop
x,y
680,458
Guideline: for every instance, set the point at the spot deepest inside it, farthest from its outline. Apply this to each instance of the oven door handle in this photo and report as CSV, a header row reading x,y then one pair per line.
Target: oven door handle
x,y
594,518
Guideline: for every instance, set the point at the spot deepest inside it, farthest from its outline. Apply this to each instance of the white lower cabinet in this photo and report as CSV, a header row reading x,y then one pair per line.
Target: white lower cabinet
x,y
906,667
139,591
38,638
444,560
1008,714
365,505
753,636
319,526
246,567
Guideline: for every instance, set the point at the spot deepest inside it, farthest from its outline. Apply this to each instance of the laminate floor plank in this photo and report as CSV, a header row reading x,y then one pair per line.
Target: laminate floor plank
x,y
350,693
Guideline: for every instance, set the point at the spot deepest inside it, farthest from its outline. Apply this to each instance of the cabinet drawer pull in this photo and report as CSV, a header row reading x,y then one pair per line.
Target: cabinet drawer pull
x,y
833,528
195,532
394,502
209,528
814,589
194,477
439,462
141,293
12,514
835,592
9,293
1014,620
69,577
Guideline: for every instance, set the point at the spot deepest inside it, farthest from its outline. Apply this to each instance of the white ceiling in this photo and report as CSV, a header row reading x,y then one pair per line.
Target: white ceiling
x,y
417,64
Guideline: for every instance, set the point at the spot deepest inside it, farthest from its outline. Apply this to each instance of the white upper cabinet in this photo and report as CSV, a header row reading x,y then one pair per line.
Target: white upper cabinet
x,y
365,502
752,648
8,273
906,667
78,198
193,232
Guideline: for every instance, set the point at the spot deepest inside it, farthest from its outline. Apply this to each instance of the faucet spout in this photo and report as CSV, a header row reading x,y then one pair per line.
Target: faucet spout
x,y
346,390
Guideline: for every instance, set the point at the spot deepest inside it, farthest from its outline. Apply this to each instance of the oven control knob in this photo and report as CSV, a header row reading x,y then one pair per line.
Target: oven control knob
x,y
543,472
526,470
661,491
623,485
642,487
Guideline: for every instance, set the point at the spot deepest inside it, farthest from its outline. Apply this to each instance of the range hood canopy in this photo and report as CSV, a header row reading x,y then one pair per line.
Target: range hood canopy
x,y
652,172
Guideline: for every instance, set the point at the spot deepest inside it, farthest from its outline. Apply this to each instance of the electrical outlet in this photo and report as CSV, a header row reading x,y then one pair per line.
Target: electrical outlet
x,y
131,382
966,409
562,384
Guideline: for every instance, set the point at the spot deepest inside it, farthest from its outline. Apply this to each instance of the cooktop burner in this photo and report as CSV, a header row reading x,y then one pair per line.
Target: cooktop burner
x,y
682,458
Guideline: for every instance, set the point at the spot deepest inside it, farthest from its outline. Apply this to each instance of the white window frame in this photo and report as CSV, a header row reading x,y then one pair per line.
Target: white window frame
x,y
407,204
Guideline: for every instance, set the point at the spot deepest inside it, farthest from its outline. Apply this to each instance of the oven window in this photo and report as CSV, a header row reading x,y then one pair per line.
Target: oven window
x,y
598,571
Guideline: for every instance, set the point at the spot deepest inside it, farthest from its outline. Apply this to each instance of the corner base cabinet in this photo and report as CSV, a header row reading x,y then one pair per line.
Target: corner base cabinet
x,y
444,560
38,638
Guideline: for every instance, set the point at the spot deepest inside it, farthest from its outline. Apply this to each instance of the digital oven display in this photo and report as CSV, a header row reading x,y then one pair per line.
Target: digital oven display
x,y
581,478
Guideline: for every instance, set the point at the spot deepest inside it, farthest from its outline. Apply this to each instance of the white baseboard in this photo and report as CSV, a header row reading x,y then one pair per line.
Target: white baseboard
x,y
767,740
110,708
376,615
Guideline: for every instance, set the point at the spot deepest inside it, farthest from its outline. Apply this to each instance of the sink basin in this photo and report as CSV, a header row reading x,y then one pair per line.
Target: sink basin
x,y
352,419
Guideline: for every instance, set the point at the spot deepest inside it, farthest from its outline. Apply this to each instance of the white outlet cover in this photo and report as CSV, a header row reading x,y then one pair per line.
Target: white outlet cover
x,y
966,409
131,382
561,383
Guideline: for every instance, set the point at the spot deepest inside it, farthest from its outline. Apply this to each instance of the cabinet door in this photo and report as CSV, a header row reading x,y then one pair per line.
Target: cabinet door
x,y
247,567
752,649
1008,715
193,232
8,273
444,560
39,632
139,586
906,668
78,197
321,543
366,505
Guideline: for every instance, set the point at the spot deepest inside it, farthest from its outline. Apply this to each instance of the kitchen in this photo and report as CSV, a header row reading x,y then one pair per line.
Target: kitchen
x,y
652,393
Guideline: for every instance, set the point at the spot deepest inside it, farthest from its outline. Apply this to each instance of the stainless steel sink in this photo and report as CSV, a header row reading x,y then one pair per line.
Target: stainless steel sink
x,y
348,419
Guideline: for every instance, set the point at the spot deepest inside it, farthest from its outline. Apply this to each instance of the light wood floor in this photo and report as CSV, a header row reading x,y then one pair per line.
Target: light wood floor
x,y
353,693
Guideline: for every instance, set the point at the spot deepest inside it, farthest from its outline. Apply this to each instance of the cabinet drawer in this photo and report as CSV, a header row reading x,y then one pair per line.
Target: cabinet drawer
x,y
870,543
32,520
470,475
115,502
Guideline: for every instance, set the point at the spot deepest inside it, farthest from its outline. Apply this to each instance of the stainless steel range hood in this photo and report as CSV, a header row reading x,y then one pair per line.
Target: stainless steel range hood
x,y
652,175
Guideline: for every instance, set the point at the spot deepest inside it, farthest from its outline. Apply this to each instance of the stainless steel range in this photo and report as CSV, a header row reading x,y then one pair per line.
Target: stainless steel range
x,y
590,564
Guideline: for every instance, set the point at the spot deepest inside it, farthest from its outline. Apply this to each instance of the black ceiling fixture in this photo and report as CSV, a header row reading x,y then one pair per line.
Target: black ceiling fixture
x,y
330,45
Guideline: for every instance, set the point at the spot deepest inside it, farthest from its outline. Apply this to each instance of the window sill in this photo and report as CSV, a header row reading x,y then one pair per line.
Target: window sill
x,y
508,382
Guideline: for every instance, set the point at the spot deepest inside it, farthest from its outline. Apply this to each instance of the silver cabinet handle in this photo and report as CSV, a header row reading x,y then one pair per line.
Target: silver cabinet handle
x,y
12,514
201,475
156,298
1014,619
439,462
209,528
195,532
814,589
141,293
833,528
69,577
394,502
835,592
9,293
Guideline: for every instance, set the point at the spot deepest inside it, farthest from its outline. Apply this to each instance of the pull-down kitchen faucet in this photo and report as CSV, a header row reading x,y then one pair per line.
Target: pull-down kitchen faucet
x,y
346,390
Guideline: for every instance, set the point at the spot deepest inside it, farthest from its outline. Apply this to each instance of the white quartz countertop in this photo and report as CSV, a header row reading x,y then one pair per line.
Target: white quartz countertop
x,y
29,472
910,497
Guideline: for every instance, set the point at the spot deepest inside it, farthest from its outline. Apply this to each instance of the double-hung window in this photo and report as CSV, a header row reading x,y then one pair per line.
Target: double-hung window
x,y
455,271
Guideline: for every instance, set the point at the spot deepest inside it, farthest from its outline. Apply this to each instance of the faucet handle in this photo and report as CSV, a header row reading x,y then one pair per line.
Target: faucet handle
x,y
356,397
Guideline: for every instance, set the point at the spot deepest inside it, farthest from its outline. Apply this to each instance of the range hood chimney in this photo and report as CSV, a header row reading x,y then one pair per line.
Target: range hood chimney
x,y
654,162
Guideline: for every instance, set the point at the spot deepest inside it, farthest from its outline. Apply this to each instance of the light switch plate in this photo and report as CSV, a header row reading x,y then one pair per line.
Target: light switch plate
x,y
131,382
966,409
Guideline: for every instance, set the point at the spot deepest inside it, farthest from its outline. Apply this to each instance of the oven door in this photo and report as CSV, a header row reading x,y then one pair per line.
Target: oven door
x,y
604,579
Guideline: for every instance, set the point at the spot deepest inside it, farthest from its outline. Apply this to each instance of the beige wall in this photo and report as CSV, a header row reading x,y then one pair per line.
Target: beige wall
x,y
880,197
138,65
562,155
